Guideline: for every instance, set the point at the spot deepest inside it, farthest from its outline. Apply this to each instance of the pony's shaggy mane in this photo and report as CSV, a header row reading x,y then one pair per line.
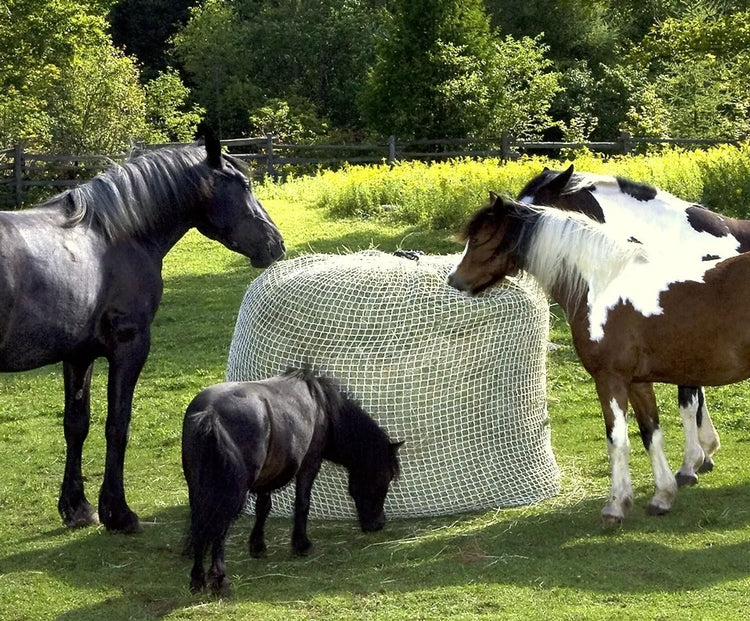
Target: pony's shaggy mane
x,y
569,248
135,196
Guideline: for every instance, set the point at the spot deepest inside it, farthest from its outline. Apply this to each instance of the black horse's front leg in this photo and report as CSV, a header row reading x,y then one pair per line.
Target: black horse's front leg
x,y
124,368
74,508
301,545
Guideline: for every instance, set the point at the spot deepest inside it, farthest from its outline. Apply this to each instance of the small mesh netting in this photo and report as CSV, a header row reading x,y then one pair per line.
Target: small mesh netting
x,y
460,379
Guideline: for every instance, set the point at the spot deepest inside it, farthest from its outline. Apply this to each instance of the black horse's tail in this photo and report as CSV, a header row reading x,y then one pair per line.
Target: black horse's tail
x,y
217,480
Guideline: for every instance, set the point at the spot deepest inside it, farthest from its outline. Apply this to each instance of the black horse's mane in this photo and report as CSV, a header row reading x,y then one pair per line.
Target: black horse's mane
x,y
354,426
133,197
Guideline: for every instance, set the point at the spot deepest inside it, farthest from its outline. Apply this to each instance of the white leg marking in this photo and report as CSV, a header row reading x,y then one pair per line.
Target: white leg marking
x,y
664,480
693,455
707,436
618,447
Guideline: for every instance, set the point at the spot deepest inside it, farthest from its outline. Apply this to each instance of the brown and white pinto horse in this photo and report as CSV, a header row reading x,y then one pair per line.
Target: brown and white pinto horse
x,y
635,319
664,223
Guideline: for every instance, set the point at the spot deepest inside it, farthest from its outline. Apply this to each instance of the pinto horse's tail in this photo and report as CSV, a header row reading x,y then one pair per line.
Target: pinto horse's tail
x,y
217,483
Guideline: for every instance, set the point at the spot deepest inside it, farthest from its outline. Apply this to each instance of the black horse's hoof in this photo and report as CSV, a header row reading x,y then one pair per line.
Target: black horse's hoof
x,y
257,550
302,548
83,516
126,523
221,587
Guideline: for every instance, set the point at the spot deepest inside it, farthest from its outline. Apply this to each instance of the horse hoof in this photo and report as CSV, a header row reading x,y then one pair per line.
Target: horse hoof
x,y
686,480
82,517
221,588
706,466
128,524
258,551
302,549
656,509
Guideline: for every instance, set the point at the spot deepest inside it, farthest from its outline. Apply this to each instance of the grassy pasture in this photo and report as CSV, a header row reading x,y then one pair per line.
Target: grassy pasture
x,y
552,560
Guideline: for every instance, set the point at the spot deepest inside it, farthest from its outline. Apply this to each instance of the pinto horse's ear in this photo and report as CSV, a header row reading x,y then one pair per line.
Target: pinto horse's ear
x,y
213,144
557,185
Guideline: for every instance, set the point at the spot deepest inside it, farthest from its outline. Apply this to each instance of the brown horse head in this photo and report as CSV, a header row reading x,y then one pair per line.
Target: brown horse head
x,y
494,239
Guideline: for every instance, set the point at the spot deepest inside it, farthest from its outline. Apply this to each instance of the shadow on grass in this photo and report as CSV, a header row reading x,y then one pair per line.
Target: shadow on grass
x,y
554,547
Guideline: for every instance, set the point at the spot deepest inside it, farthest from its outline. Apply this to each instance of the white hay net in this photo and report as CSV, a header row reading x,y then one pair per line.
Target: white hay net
x,y
461,380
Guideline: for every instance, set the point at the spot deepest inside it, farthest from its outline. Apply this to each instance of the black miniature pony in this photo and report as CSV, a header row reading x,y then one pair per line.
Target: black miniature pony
x,y
241,437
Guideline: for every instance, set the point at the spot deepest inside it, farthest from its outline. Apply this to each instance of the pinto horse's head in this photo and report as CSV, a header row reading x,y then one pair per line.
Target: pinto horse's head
x,y
494,244
232,214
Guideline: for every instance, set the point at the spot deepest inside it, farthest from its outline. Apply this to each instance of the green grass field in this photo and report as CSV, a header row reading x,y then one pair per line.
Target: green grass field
x,y
552,560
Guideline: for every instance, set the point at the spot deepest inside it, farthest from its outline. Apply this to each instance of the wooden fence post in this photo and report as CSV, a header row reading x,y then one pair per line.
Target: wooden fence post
x,y
626,146
391,150
269,157
18,174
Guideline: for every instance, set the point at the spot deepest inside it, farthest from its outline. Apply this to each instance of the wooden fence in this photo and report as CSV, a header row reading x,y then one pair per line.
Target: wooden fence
x,y
26,176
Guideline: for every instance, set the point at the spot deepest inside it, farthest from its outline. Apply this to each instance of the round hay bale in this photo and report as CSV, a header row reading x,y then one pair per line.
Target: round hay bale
x,y
460,379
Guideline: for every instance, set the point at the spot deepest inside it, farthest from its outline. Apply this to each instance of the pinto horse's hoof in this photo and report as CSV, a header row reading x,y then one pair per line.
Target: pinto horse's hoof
x,y
706,466
656,509
686,480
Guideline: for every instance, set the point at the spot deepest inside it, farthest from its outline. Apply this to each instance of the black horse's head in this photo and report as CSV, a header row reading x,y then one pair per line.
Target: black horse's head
x,y
369,483
232,214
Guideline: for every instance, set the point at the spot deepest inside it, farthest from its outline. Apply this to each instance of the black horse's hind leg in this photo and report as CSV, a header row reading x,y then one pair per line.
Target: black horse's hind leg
x,y
217,574
257,543
74,508
124,368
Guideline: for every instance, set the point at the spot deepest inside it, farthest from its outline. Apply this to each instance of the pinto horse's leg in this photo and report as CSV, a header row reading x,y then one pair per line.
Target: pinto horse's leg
x,y
707,435
74,508
614,402
690,398
301,545
124,368
644,405
257,544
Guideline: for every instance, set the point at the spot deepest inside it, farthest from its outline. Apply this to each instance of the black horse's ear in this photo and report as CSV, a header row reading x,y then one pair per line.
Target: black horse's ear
x,y
396,445
213,144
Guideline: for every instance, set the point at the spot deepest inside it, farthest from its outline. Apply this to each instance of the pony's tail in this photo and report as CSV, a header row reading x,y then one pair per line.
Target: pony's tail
x,y
217,480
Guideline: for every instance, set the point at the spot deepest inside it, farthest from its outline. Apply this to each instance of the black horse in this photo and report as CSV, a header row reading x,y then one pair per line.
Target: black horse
x,y
241,437
80,279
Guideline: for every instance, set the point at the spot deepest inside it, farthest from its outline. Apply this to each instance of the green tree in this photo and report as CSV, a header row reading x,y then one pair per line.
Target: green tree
x,y
441,72
309,56
699,74
169,113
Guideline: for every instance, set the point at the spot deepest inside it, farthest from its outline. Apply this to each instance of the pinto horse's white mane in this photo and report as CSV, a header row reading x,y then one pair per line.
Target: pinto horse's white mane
x,y
575,256
570,249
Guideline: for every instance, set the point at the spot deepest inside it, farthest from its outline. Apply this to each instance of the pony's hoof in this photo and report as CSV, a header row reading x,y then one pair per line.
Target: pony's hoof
x,y
706,466
302,548
258,550
221,588
82,517
686,480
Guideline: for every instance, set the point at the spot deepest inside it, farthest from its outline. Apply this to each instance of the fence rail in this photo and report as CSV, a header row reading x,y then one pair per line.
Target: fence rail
x,y
25,176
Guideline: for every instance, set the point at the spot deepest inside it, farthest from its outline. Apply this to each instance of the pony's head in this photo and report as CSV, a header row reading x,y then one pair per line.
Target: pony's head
x,y
232,214
369,483
494,245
